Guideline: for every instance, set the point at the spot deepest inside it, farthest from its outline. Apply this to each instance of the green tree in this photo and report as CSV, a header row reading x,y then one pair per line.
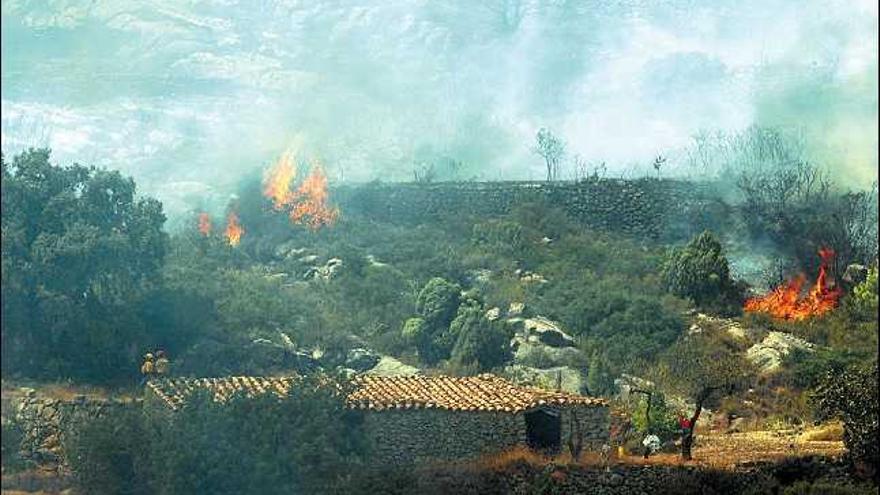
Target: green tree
x,y
436,304
305,442
599,380
438,301
480,344
80,255
700,272
864,296
108,453
705,369
851,396
663,418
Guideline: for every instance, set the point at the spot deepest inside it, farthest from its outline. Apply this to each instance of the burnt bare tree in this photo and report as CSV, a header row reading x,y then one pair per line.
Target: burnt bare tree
x,y
551,149
575,436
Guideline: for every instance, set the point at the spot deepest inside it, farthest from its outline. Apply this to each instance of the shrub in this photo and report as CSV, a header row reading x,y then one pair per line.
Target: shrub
x,y
480,344
700,272
436,304
11,445
663,418
825,488
108,454
302,443
499,235
864,296
851,396
438,301
306,442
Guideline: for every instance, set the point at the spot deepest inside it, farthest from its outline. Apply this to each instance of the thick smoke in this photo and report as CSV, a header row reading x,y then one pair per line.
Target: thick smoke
x,y
189,98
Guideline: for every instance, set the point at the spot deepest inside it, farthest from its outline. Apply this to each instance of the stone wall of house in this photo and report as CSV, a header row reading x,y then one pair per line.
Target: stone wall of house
x,y
410,436
594,424
646,208
44,420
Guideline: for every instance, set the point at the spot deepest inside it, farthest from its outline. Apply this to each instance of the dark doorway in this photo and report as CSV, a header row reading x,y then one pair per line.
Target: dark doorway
x,y
544,430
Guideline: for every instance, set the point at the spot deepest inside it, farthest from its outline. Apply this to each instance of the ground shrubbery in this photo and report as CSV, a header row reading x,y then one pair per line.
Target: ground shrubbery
x,y
305,443
851,395
11,447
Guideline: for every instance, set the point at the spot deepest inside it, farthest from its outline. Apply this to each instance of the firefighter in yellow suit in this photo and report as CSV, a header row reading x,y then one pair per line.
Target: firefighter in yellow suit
x,y
148,369
162,363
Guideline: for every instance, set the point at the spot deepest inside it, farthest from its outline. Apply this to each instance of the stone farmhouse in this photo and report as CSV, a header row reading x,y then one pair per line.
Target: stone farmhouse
x,y
419,418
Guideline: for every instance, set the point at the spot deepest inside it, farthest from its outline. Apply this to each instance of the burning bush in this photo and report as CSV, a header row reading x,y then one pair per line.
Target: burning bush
x,y
307,205
786,301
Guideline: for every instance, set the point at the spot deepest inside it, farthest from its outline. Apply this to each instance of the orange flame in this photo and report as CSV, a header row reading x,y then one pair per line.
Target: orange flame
x,y
785,301
204,224
234,230
276,183
310,202
307,205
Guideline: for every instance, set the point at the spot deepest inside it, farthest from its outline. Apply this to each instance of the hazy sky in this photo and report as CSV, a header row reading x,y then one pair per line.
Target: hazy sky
x,y
189,96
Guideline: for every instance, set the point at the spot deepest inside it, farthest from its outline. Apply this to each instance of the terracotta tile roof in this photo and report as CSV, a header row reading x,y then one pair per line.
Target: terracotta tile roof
x,y
474,393
173,391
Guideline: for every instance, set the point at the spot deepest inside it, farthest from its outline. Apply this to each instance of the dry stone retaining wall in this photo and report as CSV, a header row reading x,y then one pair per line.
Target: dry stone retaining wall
x,y
44,420
655,209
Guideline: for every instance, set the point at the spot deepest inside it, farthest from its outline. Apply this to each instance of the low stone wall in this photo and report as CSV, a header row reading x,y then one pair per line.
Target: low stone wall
x,y
44,420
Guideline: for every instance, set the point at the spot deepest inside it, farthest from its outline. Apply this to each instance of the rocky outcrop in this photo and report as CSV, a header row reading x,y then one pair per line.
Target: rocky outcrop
x,y
703,322
544,355
547,332
768,354
563,378
541,343
389,366
360,359
326,271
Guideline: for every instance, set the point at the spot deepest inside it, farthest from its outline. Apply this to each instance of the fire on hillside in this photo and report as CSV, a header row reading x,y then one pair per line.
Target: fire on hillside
x,y
204,224
307,205
787,302
234,230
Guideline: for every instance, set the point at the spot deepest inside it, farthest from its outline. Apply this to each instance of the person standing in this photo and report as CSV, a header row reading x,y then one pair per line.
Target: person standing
x,y
148,368
162,363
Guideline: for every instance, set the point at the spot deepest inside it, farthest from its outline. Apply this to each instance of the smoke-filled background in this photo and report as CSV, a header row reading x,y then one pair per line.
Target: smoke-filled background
x,y
188,97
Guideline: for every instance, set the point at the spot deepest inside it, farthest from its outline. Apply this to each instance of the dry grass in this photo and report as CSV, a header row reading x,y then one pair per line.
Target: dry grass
x,y
718,451
516,455
831,432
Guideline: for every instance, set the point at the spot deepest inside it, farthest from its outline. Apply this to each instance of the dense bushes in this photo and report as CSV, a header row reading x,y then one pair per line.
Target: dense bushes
x,y
700,272
851,395
480,344
110,454
11,447
436,304
306,443
659,419
81,253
